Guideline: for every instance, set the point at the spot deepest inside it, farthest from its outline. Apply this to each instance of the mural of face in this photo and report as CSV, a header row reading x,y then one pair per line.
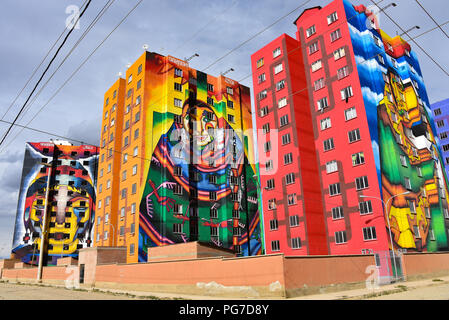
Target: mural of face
x,y
203,120
70,210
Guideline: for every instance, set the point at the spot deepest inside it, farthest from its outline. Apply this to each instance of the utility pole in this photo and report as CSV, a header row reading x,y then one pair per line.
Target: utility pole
x,y
44,221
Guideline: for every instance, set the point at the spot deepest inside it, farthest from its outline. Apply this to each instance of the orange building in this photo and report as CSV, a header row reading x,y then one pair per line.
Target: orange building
x,y
153,188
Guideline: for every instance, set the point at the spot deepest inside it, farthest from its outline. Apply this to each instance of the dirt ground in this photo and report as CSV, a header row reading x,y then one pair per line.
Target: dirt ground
x,y
435,292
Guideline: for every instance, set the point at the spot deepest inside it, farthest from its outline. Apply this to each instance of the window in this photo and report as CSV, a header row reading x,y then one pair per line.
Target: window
x,y
365,207
263,111
346,93
124,175
126,141
313,47
280,85
261,78
354,135
273,224
237,231
177,189
328,144
178,72
337,213
288,158
133,208
334,189
335,35
212,195
310,31
266,128
350,113
403,160
377,41
296,243
332,18
262,95
437,112
445,147
139,69
271,204
290,178
339,53
129,93
276,52
284,120
369,233
231,118
229,90
278,68
294,221
340,237
291,199
178,87
210,87
177,227
412,206
361,183
342,72
325,123
322,104
407,183
275,245
319,84
316,65
270,184
122,212
381,59
331,166
259,63
358,159
214,231
139,84
282,102
177,103
286,139
267,146
443,135
440,123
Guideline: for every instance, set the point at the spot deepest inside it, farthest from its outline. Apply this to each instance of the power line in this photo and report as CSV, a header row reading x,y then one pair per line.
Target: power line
x,y
43,74
411,39
37,68
79,67
146,159
255,35
430,16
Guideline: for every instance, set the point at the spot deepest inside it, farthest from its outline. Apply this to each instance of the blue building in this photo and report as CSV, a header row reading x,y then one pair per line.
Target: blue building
x,y
440,111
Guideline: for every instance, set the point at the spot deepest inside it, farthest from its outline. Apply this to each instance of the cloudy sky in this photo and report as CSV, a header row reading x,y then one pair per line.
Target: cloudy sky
x,y
177,27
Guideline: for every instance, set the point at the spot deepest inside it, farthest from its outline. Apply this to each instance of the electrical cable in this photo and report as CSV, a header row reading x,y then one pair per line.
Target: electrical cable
x,y
430,16
43,74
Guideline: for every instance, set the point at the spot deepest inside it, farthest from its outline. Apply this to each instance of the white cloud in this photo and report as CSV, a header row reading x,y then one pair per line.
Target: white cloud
x,y
372,97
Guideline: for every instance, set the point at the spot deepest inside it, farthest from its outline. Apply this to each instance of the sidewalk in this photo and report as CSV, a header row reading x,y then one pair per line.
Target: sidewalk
x,y
365,293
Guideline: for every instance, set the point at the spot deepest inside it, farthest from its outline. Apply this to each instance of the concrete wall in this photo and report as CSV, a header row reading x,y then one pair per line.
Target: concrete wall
x,y
189,250
314,274
238,277
253,277
419,265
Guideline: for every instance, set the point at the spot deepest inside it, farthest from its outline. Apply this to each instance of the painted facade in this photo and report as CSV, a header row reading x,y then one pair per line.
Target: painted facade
x,y
190,174
70,172
373,135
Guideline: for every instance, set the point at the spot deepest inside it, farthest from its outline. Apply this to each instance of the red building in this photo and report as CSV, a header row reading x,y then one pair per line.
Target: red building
x,y
329,150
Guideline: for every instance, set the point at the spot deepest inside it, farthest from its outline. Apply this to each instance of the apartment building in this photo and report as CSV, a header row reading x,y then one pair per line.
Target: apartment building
x,y
372,141
177,162
440,112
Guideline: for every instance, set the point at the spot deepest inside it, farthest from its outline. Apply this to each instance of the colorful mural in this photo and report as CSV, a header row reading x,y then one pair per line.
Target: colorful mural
x,y
70,172
408,161
200,184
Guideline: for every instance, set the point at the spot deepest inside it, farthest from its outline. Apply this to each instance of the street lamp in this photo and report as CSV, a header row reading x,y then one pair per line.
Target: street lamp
x,y
385,207
44,225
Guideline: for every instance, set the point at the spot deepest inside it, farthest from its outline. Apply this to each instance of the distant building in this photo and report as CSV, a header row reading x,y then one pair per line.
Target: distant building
x,y
440,112
347,109
175,163
70,172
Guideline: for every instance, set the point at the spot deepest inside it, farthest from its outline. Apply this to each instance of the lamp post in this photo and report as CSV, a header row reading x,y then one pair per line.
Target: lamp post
x,y
385,207
44,225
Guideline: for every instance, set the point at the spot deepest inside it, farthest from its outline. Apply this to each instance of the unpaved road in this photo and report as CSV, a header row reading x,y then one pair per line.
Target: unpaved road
x,y
434,292
9,291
